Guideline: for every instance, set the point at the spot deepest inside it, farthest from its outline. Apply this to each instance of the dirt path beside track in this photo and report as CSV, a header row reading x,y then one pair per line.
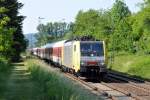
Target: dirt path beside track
x,y
20,86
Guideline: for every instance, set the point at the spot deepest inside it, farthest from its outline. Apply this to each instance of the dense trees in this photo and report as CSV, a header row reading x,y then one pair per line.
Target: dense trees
x,y
11,38
123,30
92,22
52,32
5,35
5,32
141,28
111,25
121,37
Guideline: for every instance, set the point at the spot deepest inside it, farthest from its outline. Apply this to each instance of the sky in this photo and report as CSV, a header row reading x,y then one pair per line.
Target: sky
x,y
62,10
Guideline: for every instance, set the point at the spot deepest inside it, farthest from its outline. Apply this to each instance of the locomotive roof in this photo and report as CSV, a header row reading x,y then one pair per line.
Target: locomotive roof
x,y
55,44
81,41
35,48
60,43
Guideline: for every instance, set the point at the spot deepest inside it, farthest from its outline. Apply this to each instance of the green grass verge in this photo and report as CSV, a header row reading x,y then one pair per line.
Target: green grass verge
x,y
4,73
137,65
54,85
4,65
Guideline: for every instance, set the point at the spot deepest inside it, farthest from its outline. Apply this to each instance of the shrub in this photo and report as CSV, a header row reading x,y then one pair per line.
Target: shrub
x,y
55,86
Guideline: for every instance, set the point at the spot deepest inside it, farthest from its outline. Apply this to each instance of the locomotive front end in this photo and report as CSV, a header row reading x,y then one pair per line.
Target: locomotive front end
x,y
92,58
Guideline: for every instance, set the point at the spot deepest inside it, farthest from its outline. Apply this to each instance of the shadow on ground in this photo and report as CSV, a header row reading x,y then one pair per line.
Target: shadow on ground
x,y
20,86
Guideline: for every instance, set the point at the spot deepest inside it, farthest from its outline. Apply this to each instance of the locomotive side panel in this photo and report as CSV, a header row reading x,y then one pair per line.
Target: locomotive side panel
x,y
68,55
105,53
76,56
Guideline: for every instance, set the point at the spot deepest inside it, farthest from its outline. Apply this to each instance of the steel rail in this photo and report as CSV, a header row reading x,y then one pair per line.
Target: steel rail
x,y
130,85
102,92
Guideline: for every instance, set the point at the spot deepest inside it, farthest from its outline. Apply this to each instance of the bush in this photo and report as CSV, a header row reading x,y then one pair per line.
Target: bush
x,y
4,65
55,86
137,65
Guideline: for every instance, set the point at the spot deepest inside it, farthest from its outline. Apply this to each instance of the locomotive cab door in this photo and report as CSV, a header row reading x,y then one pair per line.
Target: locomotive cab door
x,y
76,56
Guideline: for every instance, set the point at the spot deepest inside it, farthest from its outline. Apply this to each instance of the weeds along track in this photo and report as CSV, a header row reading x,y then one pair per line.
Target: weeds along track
x,y
136,88
115,87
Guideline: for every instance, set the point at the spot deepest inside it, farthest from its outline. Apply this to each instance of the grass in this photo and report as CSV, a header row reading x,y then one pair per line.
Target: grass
x,y
54,85
4,65
20,85
4,73
38,82
137,65
16,83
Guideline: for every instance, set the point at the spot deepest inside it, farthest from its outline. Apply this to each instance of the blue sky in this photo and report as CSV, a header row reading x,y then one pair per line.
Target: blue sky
x,y
62,10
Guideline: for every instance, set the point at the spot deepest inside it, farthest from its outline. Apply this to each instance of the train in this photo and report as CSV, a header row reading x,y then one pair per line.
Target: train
x,y
82,58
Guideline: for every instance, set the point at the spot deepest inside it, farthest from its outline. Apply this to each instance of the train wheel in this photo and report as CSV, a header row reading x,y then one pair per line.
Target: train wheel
x,y
64,69
77,74
98,77
72,71
102,76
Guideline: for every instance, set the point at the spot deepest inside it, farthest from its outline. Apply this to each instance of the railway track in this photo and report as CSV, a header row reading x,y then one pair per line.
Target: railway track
x,y
102,89
145,85
116,87
136,88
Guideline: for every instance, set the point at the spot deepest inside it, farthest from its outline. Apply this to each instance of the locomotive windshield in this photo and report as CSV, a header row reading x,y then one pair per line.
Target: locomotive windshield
x,y
92,49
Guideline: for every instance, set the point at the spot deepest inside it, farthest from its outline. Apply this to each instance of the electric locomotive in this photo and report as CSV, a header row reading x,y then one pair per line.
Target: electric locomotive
x,y
92,58
85,58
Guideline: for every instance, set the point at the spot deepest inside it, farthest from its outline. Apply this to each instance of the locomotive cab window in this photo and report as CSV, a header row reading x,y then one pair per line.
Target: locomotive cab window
x,y
92,49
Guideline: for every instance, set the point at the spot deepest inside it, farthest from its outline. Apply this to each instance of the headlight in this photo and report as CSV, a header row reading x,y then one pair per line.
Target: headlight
x,y
83,63
102,63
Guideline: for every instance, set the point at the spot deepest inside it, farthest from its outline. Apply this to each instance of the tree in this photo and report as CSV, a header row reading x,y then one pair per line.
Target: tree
x,y
18,40
5,33
52,32
121,37
86,23
141,28
69,33
42,35
94,23
147,3
5,37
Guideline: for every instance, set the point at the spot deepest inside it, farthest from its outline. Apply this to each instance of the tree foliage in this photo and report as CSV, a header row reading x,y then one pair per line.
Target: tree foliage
x,y
92,22
5,41
5,33
123,30
11,28
121,37
141,28
52,31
